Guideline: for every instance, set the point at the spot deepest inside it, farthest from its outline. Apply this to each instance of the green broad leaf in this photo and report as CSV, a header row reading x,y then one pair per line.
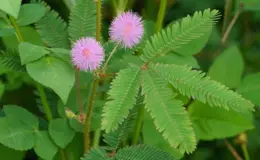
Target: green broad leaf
x,y
11,7
75,148
20,114
11,154
2,14
60,132
86,80
122,94
5,32
16,134
228,67
29,52
170,117
30,13
29,34
143,152
82,20
76,125
61,53
3,23
53,73
44,146
2,89
248,5
152,137
217,123
250,88
185,38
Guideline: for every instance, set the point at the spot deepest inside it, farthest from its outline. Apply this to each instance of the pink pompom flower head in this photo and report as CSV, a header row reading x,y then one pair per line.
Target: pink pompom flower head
x,y
87,54
127,29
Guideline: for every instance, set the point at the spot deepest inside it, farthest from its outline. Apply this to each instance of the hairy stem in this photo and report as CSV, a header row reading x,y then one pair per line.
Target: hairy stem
x,y
96,138
161,15
229,28
88,115
40,89
138,125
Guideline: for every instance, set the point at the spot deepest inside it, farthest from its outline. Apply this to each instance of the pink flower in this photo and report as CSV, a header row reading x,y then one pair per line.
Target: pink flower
x,y
127,29
87,54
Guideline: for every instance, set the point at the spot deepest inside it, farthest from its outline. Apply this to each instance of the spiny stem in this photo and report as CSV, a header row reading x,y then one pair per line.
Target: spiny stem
x,y
110,56
95,84
229,28
161,15
88,115
138,125
40,89
98,21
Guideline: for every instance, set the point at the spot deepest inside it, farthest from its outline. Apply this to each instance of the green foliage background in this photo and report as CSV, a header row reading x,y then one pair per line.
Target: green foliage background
x,y
234,63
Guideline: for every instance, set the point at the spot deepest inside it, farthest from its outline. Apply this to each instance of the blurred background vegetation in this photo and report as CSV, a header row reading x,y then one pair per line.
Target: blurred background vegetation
x,y
245,33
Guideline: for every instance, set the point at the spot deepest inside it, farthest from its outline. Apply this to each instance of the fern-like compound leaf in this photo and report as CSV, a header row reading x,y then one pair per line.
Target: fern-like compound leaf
x,y
180,34
11,60
96,154
169,115
193,84
122,96
82,20
113,139
53,30
143,152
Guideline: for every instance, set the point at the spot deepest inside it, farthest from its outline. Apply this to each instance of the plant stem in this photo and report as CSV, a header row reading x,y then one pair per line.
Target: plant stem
x,y
228,7
161,14
62,153
44,100
98,20
95,84
17,30
138,125
229,28
110,56
96,138
78,91
69,4
232,150
40,89
88,115
245,152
